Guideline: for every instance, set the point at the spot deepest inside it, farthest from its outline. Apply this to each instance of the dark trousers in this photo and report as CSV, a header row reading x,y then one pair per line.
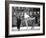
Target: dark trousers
x,y
18,23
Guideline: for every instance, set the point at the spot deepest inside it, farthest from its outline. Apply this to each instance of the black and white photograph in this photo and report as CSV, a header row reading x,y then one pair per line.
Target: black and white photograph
x,y
25,18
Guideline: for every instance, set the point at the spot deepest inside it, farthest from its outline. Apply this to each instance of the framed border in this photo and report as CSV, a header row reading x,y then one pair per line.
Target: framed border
x,y
7,18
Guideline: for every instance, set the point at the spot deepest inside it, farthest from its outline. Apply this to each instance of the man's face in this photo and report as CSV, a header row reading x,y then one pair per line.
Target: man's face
x,y
30,13
35,12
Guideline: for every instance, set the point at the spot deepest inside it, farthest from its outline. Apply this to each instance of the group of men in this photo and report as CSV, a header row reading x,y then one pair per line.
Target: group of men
x,y
26,17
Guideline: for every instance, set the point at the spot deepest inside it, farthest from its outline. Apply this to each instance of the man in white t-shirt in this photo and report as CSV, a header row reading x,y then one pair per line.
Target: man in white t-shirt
x,y
27,17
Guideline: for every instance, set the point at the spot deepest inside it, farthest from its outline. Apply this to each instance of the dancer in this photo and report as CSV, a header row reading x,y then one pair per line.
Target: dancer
x,y
18,23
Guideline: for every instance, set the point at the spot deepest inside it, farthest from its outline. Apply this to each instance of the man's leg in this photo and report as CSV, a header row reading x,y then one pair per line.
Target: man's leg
x,y
26,23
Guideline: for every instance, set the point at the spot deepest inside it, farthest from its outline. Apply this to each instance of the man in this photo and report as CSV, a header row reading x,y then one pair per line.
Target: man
x,y
18,23
28,17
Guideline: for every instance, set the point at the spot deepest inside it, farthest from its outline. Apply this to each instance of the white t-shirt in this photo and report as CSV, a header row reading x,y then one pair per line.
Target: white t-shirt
x,y
26,15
